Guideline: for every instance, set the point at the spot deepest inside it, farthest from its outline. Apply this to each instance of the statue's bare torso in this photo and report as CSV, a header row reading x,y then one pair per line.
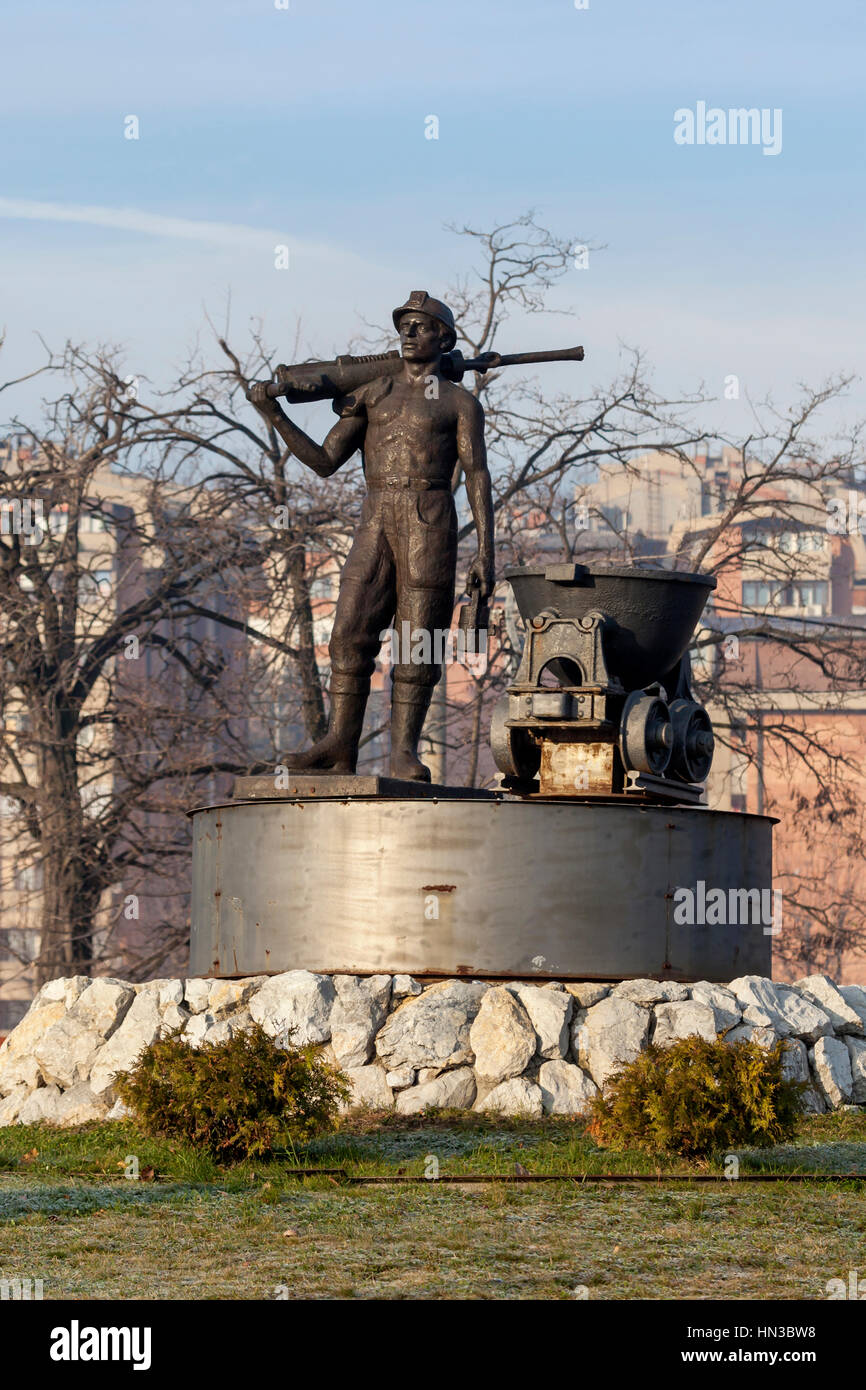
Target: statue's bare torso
x,y
412,430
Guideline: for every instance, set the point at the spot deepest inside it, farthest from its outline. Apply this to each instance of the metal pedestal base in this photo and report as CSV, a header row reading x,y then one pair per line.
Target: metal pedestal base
x,y
481,888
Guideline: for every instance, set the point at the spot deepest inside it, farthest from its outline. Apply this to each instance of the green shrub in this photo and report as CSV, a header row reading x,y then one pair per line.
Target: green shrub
x,y
238,1098
697,1097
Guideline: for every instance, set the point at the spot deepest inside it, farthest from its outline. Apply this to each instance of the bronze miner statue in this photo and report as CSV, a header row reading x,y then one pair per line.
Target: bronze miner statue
x,y
414,424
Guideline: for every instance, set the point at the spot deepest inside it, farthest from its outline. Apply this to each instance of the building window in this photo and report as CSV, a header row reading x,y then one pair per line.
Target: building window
x,y
322,587
801,542
23,943
29,878
758,593
95,582
812,593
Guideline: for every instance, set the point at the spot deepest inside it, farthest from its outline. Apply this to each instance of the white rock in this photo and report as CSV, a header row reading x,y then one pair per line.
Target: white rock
x,y
405,985
425,1074
565,1089
750,1032
79,1106
550,1014
226,997
587,992
239,1023
11,1104
40,1106
370,1088
139,1029
65,990
855,998
822,991
722,1001
299,1001
683,1020
501,1036
103,1005
795,1060
67,1051
831,1067
857,1056
170,993
204,1028
154,987
650,991
453,1090
804,1018
611,1035
758,1017
197,1028
754,989
675,993
174,1016
812,1102
432,1030
219,1032
401,1078
577,1032
759,1000
196,993
358,1013
18,1065
516,1096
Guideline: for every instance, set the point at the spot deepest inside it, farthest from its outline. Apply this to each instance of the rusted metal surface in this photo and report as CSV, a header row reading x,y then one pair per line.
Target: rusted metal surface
x,y
568,768
505,889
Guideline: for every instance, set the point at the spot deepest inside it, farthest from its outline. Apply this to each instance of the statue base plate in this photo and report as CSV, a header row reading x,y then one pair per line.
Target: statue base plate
x,y
324,785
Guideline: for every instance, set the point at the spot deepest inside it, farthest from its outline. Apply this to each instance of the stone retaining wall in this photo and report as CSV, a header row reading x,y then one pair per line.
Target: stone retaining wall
x,y
516,1048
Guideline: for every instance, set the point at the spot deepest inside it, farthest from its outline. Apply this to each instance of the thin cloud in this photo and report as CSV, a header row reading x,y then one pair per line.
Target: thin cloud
x,y
147,223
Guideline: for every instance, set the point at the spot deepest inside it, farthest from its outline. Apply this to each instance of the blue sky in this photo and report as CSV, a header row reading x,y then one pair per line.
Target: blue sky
x,y
306,126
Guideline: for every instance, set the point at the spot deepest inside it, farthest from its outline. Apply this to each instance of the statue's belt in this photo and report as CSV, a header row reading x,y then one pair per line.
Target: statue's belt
x,y
421,484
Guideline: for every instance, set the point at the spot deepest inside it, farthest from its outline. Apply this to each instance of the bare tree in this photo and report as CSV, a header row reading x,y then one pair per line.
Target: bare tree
x,y
112,698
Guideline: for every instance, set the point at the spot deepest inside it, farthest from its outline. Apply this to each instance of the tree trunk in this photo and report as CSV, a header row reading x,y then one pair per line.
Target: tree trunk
x,y
70,896
312,699
474,741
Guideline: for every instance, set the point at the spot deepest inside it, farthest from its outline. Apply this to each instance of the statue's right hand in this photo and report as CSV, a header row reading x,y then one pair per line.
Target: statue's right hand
x,y
258,396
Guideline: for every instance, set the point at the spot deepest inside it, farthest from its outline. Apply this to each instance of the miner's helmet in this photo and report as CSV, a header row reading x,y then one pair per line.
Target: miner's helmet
x,y
423,303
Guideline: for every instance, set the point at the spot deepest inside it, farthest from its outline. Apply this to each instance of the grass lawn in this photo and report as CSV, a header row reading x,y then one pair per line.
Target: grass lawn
x,y
195,1230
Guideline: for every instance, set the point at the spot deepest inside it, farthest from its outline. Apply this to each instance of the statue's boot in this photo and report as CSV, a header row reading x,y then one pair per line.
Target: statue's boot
x,y
338,750
409,706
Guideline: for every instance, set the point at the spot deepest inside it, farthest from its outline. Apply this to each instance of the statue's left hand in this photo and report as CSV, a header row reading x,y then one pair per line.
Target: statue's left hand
x,y
482,572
